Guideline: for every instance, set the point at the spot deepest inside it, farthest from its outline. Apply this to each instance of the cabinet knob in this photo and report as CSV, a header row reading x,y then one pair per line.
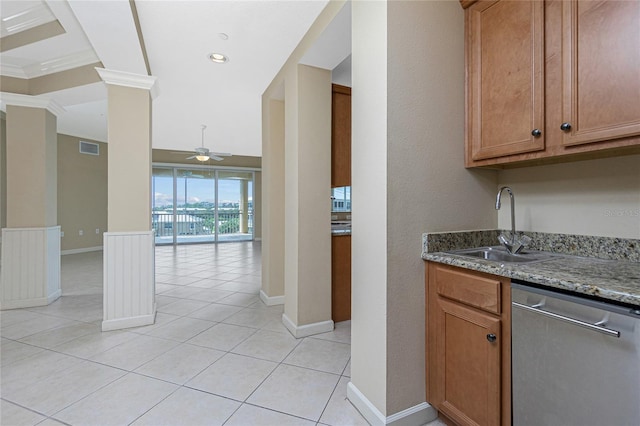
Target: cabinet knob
x,y
536,132
565,127
491,337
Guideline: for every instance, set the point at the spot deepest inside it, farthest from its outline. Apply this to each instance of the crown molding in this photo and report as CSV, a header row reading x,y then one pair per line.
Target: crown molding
x,y
63,63
26,19
127,79
32,102
12,70
48,67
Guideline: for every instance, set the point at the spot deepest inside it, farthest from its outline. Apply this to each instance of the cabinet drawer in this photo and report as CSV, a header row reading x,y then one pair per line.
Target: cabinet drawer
x,y
479,292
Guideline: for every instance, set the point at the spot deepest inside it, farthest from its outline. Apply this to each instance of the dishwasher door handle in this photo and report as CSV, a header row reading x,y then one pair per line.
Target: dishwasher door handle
x,y
594,327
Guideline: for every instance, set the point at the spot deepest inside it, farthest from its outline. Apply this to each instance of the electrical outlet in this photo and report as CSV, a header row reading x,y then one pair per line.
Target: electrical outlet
x,y
97,230
61,234
81,232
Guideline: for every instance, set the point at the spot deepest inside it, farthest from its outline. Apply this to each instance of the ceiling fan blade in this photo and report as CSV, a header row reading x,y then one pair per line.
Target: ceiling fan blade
x,y
222,154
191,158
215,157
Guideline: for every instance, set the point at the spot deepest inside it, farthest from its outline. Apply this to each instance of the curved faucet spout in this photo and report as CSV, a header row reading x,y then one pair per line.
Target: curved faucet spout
x,y
513,217
500,194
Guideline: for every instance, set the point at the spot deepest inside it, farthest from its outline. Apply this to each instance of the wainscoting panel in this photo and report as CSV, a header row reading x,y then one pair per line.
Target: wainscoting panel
x,y
30,274
129,279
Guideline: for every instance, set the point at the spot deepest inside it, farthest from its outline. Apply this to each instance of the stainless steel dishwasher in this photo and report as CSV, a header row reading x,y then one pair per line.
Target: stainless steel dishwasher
x,y
575,361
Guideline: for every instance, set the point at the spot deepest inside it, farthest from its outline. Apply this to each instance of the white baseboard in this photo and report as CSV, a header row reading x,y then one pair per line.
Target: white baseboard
x,y
271,300
30,303
120,323
81,250
300,331
413,416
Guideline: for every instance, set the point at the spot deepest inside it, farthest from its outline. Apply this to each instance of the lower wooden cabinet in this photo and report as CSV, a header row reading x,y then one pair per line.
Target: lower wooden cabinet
x,y
468,345
340,278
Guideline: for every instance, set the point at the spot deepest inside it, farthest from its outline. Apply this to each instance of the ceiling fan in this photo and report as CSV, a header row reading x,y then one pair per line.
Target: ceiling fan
x,y
203,154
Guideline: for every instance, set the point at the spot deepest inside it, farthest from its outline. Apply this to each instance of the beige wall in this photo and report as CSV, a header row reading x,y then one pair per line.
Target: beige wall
x,y
82,194
369,199
596,197
129,165
428,187
3,170
14,85
257,206
32,167
285,78
273,197
74,77
425,187
307,172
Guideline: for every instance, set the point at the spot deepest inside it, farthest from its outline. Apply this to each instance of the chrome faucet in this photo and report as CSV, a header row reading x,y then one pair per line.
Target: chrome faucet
x,y
516,242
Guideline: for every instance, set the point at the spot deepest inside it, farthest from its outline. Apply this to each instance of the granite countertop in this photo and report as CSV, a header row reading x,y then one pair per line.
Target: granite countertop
x,y
607,267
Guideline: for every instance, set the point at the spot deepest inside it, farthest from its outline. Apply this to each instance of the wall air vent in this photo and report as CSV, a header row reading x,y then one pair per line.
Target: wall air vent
x,y
89,148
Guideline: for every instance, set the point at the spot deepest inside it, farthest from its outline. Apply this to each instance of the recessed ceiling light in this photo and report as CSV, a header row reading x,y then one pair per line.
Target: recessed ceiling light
x,y
218,58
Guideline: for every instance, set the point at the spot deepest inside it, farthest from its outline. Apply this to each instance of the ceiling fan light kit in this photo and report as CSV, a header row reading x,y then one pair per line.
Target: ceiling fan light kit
x,y
203,154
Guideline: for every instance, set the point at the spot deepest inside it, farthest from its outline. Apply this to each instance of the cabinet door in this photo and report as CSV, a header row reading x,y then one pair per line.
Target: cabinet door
x,y
505,80
601,66
340,278
468,364
340,136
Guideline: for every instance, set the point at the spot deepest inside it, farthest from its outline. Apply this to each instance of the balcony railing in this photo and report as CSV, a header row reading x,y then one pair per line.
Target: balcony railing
x,y
190,223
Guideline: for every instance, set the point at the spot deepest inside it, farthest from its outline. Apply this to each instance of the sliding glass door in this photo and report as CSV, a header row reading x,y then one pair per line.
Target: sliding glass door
x,y
195,219
202,205
235,201
162,204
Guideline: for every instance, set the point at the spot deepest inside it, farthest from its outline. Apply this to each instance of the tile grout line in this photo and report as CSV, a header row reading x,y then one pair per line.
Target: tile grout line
x,y
179,343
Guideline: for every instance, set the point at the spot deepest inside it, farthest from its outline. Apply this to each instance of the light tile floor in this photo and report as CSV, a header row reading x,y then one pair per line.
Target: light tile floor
x,y
216,354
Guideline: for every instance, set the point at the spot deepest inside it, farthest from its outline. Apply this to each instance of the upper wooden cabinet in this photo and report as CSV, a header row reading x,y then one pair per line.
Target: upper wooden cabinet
x,y
506,75
551,79
601,64
340,136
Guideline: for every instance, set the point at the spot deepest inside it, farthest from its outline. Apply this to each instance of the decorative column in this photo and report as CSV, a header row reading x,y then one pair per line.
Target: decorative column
x,y
244,206
307,209
272,291
31,240
129,247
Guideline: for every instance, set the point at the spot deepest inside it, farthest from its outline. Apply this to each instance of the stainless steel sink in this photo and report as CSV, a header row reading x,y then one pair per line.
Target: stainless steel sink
x,y
499,254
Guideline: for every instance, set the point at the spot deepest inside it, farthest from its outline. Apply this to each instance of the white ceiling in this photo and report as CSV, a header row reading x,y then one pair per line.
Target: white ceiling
x,y
178,37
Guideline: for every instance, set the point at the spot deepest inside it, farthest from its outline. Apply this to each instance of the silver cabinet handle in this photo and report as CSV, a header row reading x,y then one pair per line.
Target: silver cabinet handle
x,y
574,321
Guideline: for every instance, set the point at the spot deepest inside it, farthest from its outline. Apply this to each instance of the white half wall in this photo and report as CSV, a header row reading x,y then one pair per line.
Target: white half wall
x,y
129,280
30,267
